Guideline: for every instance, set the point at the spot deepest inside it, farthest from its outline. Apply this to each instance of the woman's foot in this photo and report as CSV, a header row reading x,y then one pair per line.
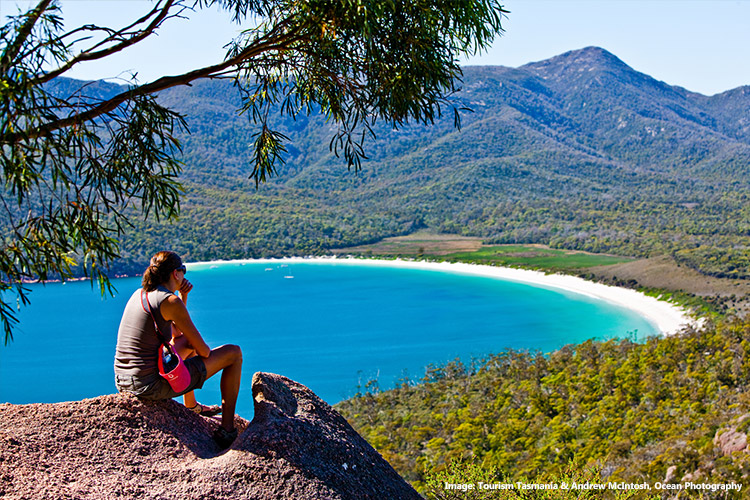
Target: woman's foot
x,y
224,438
206,411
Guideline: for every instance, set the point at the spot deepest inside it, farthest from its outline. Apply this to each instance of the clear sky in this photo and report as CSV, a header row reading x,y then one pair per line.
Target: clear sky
x,y
702,45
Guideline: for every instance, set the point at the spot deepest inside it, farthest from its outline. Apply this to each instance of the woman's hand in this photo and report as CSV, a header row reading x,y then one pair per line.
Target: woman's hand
x,y
185,288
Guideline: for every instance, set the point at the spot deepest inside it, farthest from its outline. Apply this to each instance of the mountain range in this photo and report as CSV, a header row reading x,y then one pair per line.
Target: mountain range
x,y
578,151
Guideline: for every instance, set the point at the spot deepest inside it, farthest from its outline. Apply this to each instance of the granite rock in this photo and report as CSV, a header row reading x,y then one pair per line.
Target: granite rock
x,y
730,440
117,446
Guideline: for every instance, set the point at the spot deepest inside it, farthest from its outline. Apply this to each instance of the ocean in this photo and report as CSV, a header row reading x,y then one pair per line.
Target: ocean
x,y
328,325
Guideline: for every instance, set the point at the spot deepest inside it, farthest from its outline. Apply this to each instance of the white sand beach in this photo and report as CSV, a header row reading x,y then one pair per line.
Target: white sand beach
x,y
667,317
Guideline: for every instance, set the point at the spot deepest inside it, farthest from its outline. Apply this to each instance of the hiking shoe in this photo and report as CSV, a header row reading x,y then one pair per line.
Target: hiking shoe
x,y
224,438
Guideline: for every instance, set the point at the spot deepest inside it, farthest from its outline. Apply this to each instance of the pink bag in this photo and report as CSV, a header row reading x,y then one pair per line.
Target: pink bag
x,y
177,374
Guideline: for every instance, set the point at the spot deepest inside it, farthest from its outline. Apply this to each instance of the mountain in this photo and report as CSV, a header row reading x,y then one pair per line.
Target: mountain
x,y
578,151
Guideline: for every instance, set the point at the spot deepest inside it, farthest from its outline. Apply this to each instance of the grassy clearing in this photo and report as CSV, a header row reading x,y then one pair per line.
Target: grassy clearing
x,y
658,276
535,257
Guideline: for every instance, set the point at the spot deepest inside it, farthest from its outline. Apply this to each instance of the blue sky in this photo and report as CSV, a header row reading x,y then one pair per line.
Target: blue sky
x,y
701,45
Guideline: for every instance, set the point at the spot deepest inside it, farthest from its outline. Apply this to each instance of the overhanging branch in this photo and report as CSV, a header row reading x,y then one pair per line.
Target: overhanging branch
x,y
12,51
271,43
91,54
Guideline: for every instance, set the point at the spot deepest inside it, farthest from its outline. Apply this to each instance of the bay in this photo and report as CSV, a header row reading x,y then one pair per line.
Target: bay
x,y
329,325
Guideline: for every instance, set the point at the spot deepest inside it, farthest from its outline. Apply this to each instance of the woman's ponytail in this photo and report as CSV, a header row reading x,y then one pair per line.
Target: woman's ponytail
x,y
161,266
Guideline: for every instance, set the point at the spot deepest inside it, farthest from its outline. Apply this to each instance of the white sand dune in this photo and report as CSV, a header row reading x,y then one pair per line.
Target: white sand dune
x,y
667,317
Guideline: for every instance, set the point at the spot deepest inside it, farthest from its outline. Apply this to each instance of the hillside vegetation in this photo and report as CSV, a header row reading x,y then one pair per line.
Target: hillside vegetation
x,y
577,152
631,410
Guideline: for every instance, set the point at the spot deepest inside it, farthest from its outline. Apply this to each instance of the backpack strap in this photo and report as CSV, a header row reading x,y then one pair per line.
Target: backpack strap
x,y
147,308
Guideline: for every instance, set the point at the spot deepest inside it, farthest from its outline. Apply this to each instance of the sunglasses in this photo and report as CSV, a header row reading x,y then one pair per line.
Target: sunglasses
x,y
182,268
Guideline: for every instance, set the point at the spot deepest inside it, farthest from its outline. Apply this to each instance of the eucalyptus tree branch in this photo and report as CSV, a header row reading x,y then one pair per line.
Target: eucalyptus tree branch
x,y
12,51
151,88
77,167
126,39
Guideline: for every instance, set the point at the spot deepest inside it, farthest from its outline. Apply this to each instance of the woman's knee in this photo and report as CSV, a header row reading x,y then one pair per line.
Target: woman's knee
x,y
222,357
237,353
231,353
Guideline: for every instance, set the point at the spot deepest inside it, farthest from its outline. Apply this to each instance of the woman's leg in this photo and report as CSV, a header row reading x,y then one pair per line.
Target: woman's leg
x,y
228,359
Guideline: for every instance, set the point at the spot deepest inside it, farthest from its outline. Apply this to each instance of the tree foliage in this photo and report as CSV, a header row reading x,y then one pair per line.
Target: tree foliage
x,y
74,162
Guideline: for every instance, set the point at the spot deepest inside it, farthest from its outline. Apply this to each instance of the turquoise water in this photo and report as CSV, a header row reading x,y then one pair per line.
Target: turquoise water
x,y
328,325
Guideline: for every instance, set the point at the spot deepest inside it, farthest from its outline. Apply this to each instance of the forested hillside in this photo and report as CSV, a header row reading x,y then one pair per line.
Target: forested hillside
x,y
579,151
638,412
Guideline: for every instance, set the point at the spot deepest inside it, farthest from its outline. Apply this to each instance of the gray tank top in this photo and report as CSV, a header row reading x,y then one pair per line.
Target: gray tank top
x,y
136,354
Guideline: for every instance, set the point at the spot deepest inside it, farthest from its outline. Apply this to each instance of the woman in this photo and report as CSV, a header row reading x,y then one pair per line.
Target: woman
x,y
139,346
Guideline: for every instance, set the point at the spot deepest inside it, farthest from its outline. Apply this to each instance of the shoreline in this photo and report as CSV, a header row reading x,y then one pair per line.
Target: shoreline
x,y
665,316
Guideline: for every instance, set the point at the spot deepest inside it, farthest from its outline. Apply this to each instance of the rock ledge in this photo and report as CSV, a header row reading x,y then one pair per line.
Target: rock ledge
x,y
117,446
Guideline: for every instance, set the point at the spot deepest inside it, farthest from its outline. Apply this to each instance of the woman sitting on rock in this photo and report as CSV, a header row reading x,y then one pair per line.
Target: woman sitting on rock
x,y
139,346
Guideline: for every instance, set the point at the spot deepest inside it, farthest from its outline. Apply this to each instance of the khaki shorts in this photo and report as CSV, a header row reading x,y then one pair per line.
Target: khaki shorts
x,y
156,387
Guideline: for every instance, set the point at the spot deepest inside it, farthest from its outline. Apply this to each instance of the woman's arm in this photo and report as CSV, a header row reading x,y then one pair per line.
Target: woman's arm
x,y
173,309
185,288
